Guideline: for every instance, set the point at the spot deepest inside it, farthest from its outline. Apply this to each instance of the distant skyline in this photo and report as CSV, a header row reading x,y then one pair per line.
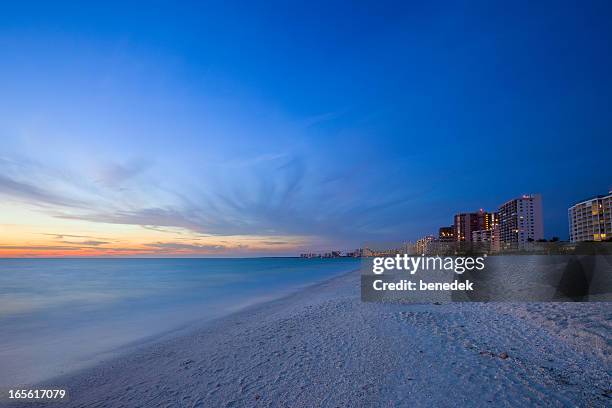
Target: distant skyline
x,y
239,129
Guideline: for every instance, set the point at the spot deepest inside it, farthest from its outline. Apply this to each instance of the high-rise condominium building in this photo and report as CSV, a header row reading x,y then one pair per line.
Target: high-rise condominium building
x,y
591,220
520,219
466,223
482,236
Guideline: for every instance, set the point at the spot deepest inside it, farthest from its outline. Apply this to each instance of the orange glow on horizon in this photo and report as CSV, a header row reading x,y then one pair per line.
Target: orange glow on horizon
x,y
39,235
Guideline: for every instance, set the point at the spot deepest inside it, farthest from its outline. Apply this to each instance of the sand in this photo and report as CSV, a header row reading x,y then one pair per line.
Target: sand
x,y
323,347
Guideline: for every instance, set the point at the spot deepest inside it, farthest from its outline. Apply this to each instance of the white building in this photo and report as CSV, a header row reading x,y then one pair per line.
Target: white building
x,y
520,220
591,220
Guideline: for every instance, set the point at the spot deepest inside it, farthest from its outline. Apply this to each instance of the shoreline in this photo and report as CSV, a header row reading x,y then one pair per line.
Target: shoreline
x,y
57,322
322,346
199,324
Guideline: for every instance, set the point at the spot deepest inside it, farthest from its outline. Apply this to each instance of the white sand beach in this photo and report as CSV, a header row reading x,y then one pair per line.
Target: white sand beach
x,y
324,347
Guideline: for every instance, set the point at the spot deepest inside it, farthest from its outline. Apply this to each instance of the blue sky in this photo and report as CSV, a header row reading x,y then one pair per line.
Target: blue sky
x,y
320,124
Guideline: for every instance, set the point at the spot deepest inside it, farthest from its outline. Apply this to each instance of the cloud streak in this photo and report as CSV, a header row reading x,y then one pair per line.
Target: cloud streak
x,y
34,195
178,246
115,174
146,249
271,195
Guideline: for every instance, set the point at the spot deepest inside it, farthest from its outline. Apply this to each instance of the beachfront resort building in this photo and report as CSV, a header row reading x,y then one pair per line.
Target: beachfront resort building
x,y
591,220
520,220
466,223
482,236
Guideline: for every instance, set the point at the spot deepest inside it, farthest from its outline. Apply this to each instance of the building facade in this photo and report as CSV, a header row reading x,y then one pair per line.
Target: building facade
x,y
591,220
425,243
482,236
466,223
520,220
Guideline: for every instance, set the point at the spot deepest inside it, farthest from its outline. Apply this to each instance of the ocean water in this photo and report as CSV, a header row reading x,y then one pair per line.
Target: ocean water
x,y
58,315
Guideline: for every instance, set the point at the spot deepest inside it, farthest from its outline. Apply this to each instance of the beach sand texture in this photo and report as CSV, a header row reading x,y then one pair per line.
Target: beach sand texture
x,y
323,347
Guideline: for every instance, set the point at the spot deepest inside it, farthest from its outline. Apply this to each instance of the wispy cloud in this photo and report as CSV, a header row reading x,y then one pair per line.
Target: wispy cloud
x,y
324,117
115,174
275,195
174,246
42,247
276,242
11,188
62,236
88,243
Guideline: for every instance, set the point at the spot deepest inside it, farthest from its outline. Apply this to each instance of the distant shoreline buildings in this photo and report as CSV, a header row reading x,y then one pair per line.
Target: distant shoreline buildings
x,y
520,220
516,222
357,253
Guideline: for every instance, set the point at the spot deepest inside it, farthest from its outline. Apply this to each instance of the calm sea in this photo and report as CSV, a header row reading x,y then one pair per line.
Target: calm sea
x,y
58,315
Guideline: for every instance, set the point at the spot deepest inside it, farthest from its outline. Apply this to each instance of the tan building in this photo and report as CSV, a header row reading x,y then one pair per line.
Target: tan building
x,y
591,220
